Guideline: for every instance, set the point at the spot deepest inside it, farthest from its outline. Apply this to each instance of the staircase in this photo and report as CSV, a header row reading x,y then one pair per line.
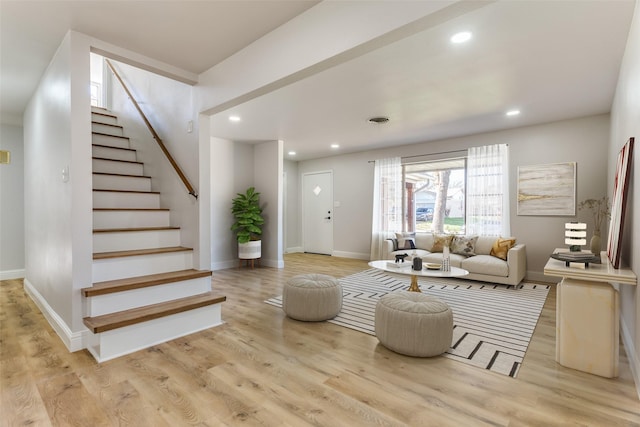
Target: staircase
x,y
145,290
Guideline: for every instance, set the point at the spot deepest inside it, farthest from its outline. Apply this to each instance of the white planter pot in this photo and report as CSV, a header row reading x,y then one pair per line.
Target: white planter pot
x,y
250,250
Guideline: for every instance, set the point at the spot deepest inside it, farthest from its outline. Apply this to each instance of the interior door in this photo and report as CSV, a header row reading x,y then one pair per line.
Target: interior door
x,y
317,212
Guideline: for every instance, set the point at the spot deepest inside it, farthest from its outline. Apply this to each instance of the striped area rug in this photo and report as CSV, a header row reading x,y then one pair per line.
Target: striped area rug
x,y
493,324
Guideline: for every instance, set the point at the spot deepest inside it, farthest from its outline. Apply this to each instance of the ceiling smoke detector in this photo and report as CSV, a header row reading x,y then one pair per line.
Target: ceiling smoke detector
x,y
378,120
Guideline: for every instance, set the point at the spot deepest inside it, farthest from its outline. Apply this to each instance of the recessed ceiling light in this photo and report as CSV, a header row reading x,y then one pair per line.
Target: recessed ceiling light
x,y
513,112
234,118
461,37
335,145
378,120
292,153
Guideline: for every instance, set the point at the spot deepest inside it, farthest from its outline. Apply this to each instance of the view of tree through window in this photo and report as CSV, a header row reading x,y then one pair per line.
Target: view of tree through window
x,y
434,196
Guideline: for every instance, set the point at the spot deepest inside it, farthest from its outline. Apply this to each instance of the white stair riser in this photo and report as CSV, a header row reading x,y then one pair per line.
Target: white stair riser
x,y
142,265
120,301
107,129
104,118
109,199
124,168
118,342
132,240
110,141
116,182
113,153
130,219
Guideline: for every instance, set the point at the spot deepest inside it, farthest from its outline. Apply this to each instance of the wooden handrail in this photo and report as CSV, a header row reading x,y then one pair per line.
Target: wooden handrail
x,y
182,176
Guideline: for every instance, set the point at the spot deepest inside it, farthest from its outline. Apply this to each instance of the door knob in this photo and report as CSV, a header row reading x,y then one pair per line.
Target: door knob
x,y
327,217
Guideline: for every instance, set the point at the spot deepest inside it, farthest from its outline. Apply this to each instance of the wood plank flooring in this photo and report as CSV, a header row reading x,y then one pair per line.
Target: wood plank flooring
x,y
261,368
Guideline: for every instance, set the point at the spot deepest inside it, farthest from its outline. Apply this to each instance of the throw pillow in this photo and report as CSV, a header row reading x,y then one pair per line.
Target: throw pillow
x,y
406,240
501,247
440,241
464,245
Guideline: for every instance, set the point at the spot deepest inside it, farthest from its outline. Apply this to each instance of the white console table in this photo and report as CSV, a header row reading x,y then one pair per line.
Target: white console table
x,y
588,314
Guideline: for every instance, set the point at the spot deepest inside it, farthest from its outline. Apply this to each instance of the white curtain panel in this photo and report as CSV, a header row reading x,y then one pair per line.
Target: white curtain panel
x,y
488,191
387,203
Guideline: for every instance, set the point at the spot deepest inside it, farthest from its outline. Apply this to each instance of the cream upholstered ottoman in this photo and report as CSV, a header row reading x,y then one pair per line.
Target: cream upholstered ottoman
x,y
312,297
414,324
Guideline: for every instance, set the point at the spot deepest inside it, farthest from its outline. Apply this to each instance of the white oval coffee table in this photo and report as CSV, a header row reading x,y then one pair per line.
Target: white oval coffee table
x,y
406,268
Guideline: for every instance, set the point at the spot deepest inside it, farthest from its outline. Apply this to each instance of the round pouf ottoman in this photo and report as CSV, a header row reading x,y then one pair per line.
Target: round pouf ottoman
x,y
414,324
312,297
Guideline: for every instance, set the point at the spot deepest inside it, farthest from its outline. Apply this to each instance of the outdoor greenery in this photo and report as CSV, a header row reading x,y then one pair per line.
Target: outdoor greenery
x,y
451,225
248,216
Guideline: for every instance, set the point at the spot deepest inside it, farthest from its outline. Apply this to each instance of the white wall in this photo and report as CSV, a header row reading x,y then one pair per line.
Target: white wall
x,y
625,123
58,215
581,140
268,181
293,240
11,204
168,106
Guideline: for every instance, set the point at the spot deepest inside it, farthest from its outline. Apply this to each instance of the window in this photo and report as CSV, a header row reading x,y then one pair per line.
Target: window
x,y
434,198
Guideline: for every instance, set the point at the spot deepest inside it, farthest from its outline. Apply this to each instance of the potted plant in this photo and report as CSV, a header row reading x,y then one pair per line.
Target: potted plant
x,y
248,223
600,211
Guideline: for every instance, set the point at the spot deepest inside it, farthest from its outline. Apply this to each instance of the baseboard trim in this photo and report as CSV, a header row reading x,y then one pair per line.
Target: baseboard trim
x,y
354,255
538,276
634,362
12,274
74,341
294,250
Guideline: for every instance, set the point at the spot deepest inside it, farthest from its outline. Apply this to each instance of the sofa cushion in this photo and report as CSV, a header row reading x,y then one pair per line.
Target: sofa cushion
x,y
485,264
464,245
484,244
406,240
440,241
424,240
501,247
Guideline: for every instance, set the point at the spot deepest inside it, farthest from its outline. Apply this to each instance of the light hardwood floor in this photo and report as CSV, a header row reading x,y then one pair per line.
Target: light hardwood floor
x,y
261,368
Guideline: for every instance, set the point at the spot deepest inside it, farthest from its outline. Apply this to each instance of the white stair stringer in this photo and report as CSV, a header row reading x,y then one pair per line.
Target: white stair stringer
x,y
130,218
132,266
128,299
119,342
129,240
144,289
125,199
117,167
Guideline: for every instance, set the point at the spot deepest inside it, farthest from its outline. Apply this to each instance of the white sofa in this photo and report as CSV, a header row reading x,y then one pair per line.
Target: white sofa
x,y
482,266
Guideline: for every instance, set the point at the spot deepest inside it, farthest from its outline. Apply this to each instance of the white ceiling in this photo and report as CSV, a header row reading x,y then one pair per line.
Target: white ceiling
x,y
553,60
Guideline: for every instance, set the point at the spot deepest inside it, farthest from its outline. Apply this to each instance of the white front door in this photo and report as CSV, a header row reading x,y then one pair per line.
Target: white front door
x,y
317,212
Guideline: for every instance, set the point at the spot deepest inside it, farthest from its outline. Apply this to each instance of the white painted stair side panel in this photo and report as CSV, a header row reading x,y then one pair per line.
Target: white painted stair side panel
x,y
133,240
115,167
103,118
113,153
120,182
107,129
140,265
116,199
119,342
110,141
130,219
134,298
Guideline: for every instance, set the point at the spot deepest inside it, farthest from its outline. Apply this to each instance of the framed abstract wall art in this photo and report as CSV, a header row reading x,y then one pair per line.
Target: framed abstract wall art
x,y
547,189
619,202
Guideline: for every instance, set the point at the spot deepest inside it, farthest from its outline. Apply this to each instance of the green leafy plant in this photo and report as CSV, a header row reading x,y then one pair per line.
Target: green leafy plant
x,y
248,216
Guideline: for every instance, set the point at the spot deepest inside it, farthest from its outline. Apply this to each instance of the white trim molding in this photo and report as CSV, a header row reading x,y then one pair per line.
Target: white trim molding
x,y
74,341
634,362
12,274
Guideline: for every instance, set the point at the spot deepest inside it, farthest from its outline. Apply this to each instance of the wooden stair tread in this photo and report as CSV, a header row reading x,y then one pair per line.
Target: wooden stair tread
x,y
128,191
116,160
140,252
113,148
93,122
125,230
107,134
129,283
120,174
133,316
129,209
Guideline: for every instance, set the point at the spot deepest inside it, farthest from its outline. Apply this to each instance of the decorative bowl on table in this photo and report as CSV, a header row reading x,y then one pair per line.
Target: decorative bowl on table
x,y
432,266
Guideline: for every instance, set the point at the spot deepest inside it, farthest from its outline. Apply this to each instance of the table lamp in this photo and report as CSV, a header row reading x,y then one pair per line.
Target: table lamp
x,y
575,235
